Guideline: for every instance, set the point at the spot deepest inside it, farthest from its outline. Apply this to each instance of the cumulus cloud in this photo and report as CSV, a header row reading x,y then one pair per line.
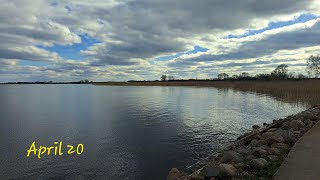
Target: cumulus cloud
x,y
288,38
132,33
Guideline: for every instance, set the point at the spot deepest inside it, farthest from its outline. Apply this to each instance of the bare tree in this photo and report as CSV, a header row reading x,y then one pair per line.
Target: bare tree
x,y
170,78
280,71
223,76
164,77
313,66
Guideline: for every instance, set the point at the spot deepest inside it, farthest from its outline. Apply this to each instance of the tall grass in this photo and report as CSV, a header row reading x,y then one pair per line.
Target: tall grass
x,y
303,91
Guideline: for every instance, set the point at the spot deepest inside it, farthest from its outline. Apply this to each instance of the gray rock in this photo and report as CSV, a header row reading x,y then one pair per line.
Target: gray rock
x,y
257,143
259,152
243,151
228,170
287,135
267,134
273,158
174,174
197,177
244,135
211,171
248,140
309,126
303,130
265,147
259,163
256,127
231,156
285,126
273,151
275,138
280,146
272,130
250,157
297,132
239,165
308,115
307,121
296,124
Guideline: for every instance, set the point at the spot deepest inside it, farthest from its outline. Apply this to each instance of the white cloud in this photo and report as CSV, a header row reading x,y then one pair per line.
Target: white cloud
x,y
132,33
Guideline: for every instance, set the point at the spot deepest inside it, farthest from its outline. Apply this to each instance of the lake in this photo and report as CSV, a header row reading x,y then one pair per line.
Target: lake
x,y
127,132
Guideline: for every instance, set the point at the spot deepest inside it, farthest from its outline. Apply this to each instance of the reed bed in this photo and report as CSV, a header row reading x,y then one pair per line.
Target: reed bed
x,y
303,91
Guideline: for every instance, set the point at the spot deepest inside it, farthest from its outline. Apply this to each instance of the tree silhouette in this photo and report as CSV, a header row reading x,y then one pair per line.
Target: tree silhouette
x,y
313,66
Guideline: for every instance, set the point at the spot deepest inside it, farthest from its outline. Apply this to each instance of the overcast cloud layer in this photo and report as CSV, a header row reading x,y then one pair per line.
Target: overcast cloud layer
x,y
133,37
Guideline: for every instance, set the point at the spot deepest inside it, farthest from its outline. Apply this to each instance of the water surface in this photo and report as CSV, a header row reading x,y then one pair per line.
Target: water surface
x,y
127,132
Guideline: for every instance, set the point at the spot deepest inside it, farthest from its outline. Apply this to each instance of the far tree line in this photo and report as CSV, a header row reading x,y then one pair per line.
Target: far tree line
x,y
280,72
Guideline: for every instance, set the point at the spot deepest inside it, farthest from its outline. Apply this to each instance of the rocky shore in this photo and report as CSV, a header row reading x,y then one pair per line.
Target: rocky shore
x,y
256,154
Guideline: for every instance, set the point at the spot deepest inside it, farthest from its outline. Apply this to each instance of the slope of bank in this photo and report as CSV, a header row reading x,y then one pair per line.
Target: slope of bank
x,y
259,153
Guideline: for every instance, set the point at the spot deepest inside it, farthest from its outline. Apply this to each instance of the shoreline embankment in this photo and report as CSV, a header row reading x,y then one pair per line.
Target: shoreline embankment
x,y
256,154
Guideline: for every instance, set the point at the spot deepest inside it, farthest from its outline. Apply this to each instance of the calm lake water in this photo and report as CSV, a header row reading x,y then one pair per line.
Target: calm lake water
x,y
127,132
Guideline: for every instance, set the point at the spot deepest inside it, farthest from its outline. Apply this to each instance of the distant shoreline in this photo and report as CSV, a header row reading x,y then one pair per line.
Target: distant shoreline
x,y
290,90
201,83
303,91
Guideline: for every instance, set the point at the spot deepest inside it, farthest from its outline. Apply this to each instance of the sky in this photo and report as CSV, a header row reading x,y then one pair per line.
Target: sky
x,y
120,40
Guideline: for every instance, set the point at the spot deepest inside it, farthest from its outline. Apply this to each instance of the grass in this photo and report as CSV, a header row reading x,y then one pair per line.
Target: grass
x,y
302,91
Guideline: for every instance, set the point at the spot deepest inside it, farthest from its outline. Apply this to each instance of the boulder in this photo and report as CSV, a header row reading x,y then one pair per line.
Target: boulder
x,y
303,130
265,147
280,146
228,170
248,140
259,152
231,156
287,135
239,165
309,126
255,127
244,135
197,177
267,134
211,171
250,157
307,121
259,163
243,151
275,138
174,174
296,124
272,129
273,151
257,143
273,158
308,115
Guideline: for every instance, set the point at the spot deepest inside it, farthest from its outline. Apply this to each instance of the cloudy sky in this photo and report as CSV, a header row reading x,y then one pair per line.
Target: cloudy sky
x,y
117,40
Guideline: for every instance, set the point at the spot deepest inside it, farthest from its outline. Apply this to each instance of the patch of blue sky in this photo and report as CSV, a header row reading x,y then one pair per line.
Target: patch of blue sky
x,y
33,63
73,51
275,25
195,50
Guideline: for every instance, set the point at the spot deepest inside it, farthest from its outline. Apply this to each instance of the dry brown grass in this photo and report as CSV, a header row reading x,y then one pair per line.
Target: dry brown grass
x,y
304,91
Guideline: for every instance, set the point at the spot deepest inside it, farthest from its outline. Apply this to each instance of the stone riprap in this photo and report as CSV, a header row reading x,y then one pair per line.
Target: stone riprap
x,y
253,151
